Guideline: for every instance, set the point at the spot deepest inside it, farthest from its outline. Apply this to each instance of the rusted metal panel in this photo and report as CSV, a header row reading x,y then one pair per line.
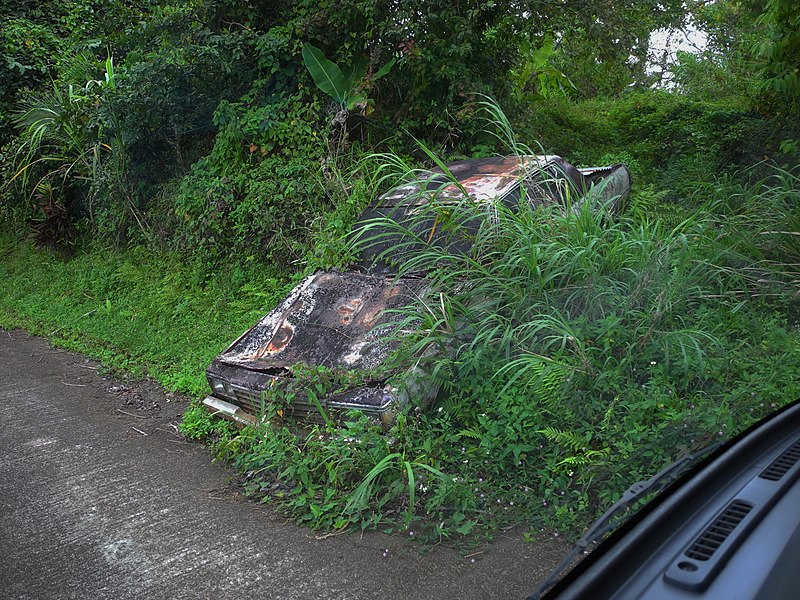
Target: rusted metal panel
x,y
497,178
483,179
333,320
340,321
540,179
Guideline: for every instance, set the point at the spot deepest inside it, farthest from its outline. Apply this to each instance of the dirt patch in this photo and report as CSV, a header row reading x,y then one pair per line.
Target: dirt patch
x,y
136,397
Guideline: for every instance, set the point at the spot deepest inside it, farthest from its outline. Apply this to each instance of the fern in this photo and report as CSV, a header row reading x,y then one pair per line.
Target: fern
x,y
569,439
547,383
649,204
577,444
590,457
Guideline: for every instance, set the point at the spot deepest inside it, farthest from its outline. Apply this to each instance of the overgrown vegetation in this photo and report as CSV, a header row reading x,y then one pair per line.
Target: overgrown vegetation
x,y
575,355
137,312
184,162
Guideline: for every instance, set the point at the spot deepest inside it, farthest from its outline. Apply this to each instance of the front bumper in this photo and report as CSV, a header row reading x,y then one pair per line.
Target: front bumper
x,y
246,404
221,408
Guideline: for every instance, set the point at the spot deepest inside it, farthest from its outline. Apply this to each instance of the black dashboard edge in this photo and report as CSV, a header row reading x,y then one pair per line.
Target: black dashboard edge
x,y
614,559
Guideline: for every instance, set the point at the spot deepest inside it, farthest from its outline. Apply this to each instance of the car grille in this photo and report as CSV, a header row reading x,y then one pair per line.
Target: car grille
x,y
252,401
300,408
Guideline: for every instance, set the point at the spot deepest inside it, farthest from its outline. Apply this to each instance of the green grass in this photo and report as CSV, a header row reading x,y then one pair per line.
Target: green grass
x,y
583,355
144,312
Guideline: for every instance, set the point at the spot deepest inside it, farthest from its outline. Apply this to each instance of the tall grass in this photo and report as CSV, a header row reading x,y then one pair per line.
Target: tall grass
x,y
761,220
581,351
539,285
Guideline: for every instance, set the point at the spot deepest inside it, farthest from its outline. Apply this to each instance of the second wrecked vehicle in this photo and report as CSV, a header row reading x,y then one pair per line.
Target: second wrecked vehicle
x,y
336,322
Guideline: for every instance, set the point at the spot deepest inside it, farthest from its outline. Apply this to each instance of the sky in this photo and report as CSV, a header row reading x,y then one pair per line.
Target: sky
x,y
666,43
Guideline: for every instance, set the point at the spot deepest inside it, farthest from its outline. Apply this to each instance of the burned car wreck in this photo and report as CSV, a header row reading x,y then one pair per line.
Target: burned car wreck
x,y
337,321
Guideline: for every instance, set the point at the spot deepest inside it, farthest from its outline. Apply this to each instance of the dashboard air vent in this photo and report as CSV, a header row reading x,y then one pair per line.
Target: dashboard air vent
x,y
781,465
713,537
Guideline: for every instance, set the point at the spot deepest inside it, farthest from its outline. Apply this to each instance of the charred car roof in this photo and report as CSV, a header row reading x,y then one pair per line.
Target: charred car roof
x,y
538,179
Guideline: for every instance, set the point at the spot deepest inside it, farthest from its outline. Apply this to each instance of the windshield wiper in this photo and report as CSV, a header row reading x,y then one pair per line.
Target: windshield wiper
x,y
607,521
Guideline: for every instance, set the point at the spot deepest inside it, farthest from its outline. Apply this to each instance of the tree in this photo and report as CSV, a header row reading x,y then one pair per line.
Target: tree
x,y
780,48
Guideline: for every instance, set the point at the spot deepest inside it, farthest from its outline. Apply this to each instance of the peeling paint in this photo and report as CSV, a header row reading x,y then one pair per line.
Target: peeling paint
x,y
353,356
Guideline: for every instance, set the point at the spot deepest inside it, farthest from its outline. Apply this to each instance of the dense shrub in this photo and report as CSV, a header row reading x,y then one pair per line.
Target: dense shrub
x,y
674,140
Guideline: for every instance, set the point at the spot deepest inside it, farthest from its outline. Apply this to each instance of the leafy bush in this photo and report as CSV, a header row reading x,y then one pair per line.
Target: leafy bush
x,y
338,475
61,146
256,193
676,141
28,50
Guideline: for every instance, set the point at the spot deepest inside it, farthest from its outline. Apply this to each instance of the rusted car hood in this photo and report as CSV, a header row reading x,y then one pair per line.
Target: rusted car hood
x,y
333,320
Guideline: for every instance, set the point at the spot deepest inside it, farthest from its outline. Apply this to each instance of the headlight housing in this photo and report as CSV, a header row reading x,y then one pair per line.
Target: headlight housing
x,y
220,387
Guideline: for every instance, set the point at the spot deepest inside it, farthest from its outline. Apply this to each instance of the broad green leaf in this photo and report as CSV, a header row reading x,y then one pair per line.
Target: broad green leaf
x,y
327,76
541,56
411,491
354,73
384,69
466,527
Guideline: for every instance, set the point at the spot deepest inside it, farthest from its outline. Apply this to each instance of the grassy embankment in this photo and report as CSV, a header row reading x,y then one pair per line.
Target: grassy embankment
x,y
629,344
133,310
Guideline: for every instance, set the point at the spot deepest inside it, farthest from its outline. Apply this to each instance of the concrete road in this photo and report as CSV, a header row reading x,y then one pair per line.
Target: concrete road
x,y
101,498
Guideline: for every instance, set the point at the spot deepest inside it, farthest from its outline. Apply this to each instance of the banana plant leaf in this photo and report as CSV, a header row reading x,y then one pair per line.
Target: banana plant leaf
x,y
326,74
